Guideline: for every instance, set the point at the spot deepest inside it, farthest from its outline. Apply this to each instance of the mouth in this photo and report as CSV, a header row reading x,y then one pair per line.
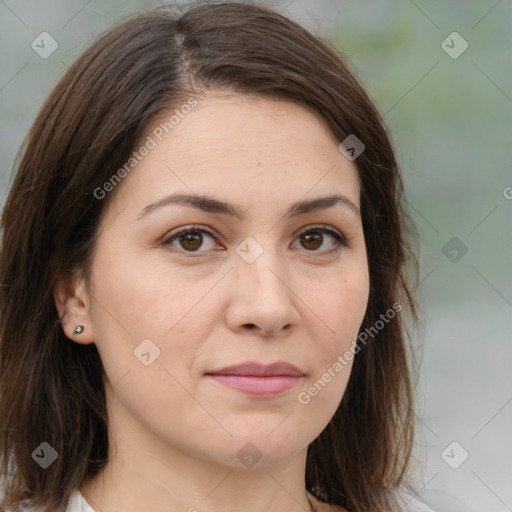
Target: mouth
x,y
257,379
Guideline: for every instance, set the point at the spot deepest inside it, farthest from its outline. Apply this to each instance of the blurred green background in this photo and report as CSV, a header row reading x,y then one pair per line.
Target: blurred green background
x,y
451,117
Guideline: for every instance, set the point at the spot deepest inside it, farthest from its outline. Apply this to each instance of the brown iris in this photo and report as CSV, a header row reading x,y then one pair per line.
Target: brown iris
x,y
312,240
192,240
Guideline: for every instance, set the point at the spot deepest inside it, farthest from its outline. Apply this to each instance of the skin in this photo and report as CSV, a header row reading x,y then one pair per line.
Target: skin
x,y
174,432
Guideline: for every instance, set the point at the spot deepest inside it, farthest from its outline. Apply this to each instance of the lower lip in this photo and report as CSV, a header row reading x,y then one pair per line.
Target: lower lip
x,y
260,386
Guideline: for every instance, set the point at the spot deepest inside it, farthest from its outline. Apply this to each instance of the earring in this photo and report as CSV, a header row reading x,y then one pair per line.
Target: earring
x,y
78,329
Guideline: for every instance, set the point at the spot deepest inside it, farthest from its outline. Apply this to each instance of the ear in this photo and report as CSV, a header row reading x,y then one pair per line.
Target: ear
x,y
73,307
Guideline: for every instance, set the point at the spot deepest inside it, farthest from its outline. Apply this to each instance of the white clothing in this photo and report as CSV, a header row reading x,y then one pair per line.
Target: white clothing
x,y
77,503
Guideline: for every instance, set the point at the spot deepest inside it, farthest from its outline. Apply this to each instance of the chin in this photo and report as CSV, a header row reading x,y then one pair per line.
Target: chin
x,y
266,450
252,452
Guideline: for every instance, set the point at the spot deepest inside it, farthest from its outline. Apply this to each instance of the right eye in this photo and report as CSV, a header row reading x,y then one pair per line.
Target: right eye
x,y
188,239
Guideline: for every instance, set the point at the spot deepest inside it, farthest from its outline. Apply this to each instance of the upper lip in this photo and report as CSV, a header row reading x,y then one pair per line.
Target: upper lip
x,y
259,370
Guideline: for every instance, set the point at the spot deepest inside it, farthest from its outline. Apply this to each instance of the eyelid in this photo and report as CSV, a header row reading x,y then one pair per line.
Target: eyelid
x,y
328,228
185,229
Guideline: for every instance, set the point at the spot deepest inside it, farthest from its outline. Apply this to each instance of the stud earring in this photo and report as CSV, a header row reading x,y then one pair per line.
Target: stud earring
x,y
78,329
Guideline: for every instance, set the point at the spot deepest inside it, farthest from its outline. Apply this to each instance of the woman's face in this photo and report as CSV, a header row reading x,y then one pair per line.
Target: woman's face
x,y
254,282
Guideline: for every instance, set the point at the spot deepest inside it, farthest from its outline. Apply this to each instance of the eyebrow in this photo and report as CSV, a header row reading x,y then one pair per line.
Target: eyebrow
x,y
211,205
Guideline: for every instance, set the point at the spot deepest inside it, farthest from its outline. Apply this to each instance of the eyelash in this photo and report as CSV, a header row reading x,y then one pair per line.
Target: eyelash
x,y
340,239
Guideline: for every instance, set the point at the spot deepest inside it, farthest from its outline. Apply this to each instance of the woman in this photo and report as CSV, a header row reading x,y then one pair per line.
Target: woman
x,y
204,290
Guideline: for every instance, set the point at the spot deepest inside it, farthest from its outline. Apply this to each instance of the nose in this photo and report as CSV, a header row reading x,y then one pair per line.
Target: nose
x,y
263,299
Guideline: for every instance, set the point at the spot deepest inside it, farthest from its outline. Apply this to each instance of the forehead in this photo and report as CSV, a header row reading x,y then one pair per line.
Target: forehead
x,y
250,121
241,147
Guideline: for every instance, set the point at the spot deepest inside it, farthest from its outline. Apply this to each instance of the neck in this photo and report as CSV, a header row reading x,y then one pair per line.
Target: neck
x,y
157,483
146,473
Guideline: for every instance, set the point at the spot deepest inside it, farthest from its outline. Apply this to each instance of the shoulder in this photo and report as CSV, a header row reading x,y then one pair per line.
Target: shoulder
x,y
76,503
410,504
406,501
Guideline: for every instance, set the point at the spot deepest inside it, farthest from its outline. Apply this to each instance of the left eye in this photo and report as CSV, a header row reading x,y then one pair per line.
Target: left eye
x,y
312,237
192,238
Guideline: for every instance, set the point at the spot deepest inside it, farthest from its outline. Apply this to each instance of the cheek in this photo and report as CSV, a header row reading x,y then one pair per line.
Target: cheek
x,y
135,301
146,297
339,311
339,307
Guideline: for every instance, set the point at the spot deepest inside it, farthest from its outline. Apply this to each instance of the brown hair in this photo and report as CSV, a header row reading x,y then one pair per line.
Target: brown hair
x,y
51,389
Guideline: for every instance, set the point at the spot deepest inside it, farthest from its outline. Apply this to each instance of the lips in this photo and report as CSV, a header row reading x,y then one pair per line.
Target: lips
x,y
258,379
260,370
